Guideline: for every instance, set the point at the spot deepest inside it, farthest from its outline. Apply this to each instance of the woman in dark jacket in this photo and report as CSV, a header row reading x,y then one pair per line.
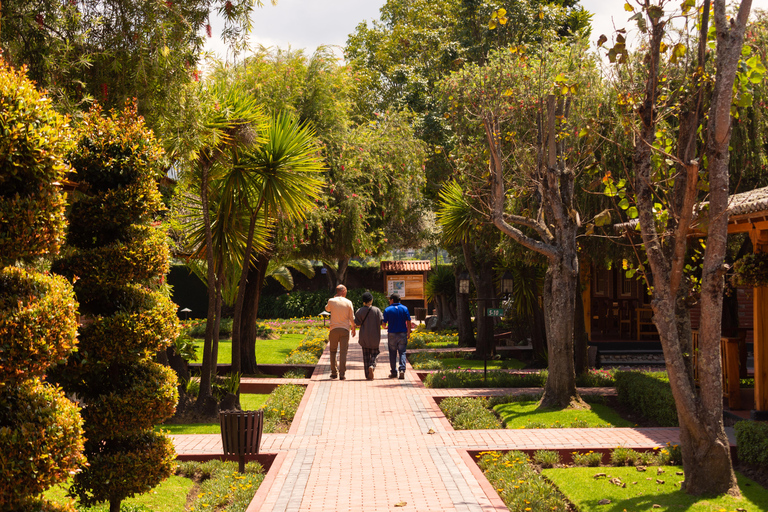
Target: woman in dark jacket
x,y
368,319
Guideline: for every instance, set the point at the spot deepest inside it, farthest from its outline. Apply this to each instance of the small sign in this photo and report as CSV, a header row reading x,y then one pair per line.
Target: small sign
x,y
494,312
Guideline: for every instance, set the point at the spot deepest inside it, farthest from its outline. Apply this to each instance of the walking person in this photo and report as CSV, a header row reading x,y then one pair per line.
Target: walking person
x,y
368,318
342,321
398,322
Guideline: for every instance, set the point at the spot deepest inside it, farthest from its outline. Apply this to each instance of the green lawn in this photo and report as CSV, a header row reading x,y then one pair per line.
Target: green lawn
x,y
643,492
248,401
267,351
169,496
453,363
524,414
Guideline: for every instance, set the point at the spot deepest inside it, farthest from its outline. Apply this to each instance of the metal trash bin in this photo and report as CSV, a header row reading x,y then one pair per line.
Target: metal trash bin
x,y
421,314
241,433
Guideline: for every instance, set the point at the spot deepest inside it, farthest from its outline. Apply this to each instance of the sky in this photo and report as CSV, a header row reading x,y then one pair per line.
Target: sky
x,y
311,23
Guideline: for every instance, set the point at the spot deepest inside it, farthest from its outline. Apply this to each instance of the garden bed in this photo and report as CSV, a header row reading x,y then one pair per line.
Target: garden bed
x,y
532,482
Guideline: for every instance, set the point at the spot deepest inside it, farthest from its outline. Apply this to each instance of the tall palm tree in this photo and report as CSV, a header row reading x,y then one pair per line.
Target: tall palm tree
x,y
279,177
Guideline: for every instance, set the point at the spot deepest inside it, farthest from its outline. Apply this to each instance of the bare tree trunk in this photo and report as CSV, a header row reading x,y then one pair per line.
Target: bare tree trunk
x,y
205,371
341,273
254,284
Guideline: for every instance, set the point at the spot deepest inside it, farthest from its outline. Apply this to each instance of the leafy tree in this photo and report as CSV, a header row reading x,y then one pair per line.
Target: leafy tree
x,y
109,51
680,150
41,439
515,117
119,257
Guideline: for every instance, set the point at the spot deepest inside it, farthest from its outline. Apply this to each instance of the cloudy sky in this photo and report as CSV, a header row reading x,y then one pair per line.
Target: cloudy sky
x,y
310,23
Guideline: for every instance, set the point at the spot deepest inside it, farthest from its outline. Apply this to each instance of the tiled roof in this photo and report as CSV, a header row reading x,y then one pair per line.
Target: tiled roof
x,y
752,201
406,266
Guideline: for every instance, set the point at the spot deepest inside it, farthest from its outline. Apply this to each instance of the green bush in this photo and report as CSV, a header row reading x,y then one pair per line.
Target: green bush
x,y
32,147
589,459
120,262
307,352
546,458
649,394
124,467
595,378
425,361
136,333
469,413
752,442
38,325
141,396
40,440
496,379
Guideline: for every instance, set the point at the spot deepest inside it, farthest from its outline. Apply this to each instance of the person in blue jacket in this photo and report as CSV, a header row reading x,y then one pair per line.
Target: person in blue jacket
x,y
397,319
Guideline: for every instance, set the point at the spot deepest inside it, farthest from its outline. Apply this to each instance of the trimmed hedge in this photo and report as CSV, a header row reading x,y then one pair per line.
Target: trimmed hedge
x,y
141,255
144,394
468,413
40,441
33,142
38,325
124,466
137,333
648,393
752,442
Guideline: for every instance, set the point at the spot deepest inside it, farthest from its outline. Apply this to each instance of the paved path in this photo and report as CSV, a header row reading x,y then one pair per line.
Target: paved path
x,y
362,445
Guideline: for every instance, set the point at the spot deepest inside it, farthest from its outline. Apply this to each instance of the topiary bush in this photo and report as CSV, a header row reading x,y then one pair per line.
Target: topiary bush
x,y
33,140
752,442
119,254
648,393
41,435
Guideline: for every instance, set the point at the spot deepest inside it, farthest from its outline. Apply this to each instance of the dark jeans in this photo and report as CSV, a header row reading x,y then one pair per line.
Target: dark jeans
x,y
369,357
397,342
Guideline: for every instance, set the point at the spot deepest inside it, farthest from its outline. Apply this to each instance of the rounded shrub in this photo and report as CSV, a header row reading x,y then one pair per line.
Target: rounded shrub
x,y
142,395
32,144
40,440
132,334
142,254
122,467
38,325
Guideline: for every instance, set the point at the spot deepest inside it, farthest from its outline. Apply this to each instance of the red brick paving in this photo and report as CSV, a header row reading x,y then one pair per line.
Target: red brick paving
x,y
362,445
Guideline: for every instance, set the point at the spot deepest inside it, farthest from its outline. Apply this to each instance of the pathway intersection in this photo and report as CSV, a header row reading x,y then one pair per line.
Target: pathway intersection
x,y
384,445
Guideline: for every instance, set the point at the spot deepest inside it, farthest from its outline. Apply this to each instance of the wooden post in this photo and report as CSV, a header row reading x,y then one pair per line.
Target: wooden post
x,y
760,318
730,351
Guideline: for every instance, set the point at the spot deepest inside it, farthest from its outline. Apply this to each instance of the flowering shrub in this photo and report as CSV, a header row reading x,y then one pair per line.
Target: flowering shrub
x,y
520,486
596,378
589,459
222,487
281,407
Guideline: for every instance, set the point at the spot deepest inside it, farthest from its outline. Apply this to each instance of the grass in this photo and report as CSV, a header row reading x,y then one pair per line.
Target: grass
x,y
525,414
642,492
267,351
169,496
248,401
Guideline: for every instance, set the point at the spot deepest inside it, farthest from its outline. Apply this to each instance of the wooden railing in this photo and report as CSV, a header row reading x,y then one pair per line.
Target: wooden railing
x,y
729,358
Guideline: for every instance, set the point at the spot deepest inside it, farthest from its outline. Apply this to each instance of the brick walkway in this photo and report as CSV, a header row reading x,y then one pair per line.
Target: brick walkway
x,y
362,445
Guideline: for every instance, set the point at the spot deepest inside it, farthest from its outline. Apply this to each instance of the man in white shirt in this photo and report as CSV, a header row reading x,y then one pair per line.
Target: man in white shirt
x,y
342,321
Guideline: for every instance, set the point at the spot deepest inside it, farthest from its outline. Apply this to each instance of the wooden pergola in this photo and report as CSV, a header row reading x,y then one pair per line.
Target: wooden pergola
x,y
748,213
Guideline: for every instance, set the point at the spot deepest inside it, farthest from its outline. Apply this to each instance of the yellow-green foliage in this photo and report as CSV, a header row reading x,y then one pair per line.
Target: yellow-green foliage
x,y
40,440
37,323
140,255
119,258
124,467
136,333
33,141
141,396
